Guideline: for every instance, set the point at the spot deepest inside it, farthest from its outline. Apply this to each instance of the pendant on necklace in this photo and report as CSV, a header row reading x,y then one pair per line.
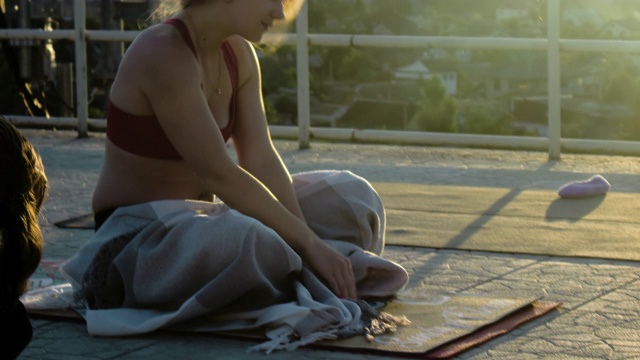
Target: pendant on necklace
x,y
219,92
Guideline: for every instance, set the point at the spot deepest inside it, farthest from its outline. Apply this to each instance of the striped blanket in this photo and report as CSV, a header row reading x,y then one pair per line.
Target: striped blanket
x,y
201,266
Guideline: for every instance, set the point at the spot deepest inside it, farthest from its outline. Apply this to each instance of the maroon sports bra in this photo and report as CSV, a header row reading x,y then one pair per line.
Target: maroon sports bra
x,y
143,135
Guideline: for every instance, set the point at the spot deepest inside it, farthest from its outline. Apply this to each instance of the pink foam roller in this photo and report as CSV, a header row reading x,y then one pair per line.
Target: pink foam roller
x,y
595,185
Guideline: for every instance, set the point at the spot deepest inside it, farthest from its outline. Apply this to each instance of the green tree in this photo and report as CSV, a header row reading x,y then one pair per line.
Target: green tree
x,y
385,7
622,87
437,110
287,106
278,69
630,128
273,118
621,81
358,65
481,122
337,16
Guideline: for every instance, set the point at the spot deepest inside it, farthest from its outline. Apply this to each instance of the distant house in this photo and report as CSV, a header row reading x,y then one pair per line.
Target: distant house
x,y
382,105
418,70
376,114
526,76
441,54
285,101
326,114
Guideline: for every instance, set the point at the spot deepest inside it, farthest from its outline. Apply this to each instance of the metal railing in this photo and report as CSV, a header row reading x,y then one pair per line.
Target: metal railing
x,y
553,45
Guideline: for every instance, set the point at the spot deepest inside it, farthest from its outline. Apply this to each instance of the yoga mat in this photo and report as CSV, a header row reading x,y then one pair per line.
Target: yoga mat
x,y
502,220
512,220
407,343
79,222
442,325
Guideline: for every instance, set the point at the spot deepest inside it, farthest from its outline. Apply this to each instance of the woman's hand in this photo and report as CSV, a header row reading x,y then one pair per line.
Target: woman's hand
x,y
332,267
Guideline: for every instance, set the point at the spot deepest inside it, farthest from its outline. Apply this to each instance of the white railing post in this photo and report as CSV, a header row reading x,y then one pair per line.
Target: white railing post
x,y
554,109
82,106
302,61
553,44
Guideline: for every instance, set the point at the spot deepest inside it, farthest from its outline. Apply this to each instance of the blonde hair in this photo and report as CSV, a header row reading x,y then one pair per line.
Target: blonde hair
x,y
23,187
167,8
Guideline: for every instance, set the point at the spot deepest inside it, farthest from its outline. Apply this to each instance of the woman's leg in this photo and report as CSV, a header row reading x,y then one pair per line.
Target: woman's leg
x,y
225,260
339,205
345,210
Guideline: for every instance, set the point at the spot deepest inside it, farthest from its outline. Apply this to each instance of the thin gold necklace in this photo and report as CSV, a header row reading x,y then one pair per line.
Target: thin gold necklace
x,y
219,71
196,36
218,88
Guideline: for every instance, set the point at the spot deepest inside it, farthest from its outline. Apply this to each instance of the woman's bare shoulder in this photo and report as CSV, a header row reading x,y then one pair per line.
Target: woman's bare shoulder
x,y
246,56
156,59
158,53
159,46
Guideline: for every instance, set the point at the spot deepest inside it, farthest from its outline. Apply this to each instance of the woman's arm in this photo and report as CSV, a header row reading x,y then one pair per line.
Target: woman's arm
x,y
172,86
257,155
252,140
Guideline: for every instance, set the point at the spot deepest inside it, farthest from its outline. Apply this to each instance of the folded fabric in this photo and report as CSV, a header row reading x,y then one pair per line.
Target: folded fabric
x,y
595,185
200,265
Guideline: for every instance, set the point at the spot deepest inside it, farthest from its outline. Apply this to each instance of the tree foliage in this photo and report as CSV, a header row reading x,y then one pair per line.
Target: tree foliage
x,y
482,122
621,86
437,111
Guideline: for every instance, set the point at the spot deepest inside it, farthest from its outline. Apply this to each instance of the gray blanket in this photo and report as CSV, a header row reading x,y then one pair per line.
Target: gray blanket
x,y
203,266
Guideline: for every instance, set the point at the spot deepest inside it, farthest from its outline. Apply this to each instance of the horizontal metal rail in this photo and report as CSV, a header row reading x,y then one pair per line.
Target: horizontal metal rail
x,y
383,41
390,137
35,34
553,45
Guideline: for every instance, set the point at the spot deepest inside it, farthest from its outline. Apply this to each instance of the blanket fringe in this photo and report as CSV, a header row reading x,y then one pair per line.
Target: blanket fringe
x,y
372,323
279,337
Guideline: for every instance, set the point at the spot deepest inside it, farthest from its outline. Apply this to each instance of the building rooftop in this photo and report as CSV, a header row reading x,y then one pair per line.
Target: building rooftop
x,y
600,293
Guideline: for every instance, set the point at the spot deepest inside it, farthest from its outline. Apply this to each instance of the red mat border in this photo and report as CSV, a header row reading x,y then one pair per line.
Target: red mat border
x,y
457,346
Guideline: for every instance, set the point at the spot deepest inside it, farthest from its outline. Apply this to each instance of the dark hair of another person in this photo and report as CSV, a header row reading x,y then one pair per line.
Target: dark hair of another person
x,y
23,187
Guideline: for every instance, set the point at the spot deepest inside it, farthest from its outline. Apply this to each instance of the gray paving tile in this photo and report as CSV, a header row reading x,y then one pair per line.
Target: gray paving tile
x,y
600,318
